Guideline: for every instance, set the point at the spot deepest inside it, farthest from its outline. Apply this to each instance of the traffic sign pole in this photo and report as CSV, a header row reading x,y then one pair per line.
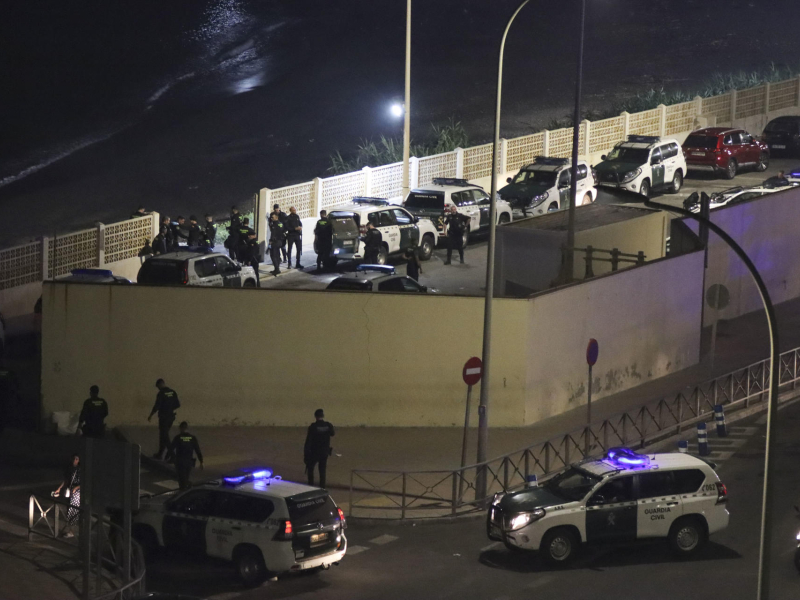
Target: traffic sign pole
x,y
592,352
464,445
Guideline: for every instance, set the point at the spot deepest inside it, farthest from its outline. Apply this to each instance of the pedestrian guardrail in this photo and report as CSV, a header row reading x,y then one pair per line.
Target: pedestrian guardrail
x,y
436,493
103,575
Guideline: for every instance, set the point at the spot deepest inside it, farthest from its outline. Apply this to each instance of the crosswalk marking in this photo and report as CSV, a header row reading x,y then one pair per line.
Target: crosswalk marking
x,y
383,539
168,483
353,550
742,430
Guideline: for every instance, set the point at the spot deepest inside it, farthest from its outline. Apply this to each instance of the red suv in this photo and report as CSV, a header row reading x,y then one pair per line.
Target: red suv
x,y
725,151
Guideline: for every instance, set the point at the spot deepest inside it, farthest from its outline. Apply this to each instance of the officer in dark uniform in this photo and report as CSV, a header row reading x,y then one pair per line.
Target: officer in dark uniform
x,y
244,234
373,241
456,225
93,414
318,447
294,236
277,238
140,212
183,447
232,243
195,233
323,238
282,217
166,404
178,234
253,252
413,266
209,233
160,241
169,238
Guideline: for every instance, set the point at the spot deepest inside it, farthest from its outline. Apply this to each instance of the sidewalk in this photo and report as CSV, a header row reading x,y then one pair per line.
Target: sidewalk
x,y
32,570
740,342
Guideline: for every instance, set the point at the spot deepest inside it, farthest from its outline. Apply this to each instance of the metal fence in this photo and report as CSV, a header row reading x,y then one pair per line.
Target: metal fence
x,y
437,493
104,575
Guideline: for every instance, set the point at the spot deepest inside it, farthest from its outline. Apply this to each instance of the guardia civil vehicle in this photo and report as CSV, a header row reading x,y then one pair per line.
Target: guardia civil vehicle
x,y
643,164
621,498
265,525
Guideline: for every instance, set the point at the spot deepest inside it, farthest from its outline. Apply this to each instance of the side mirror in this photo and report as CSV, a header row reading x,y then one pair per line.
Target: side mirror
x,y
416,219
509,180
597,500
655,161
603,157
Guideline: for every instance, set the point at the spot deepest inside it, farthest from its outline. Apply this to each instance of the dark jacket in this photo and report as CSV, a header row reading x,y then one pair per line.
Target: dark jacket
x,y
456,224
292,223
160,244
178,234
209,234
282,216
277,232
94,411
166,403
318,440
373,239
324,232
195,235
253,251
183,447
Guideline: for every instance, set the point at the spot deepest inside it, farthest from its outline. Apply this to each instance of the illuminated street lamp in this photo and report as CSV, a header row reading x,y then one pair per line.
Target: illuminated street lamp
x,y
397,110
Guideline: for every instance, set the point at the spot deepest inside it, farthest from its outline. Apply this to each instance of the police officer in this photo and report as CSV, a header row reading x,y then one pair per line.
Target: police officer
x,y
253,252
169,238
318,447
232,243
276,209
178,234
209,233
195,233
166,404
294,236
373,241
93,414
183,447
413,266
140,212
160,241
277,238
323,238
456,225
244,232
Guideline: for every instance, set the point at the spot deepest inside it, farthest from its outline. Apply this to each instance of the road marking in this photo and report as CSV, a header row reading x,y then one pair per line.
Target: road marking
x,y
491,546
353,550
544,580
168,483
742,430
384,539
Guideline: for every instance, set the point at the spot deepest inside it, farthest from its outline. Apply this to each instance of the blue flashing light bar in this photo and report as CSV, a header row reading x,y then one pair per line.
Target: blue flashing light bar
x,y
245,475
627,457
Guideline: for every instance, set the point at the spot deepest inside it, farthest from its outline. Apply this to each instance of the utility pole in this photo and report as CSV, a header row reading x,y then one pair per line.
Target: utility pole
x,y
407,105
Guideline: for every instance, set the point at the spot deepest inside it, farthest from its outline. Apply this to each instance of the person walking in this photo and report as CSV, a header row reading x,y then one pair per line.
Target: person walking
x,y
166,404
373,241
294,236
413,266
277,239
71,488
209,233
276,209
91,421
456,225
323,239
195,233
183,448
160,241
252,255
317,448
232,243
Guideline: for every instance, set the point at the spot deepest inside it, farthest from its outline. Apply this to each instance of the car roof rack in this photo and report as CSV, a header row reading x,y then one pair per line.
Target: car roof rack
x,y
386,269
550,160
644,139
450,181
368,200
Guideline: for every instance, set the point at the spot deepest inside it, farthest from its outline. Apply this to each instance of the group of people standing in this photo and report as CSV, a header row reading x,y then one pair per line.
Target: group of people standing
x,y
172,234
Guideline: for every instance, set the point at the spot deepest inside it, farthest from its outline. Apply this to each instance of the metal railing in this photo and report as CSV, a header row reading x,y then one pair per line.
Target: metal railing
x,y
438,493
106,568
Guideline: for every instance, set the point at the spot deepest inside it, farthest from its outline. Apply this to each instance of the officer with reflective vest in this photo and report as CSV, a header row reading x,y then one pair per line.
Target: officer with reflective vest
x,y
92,419
183,448
209,233
242,236
373,241
323,238
166,404
277,238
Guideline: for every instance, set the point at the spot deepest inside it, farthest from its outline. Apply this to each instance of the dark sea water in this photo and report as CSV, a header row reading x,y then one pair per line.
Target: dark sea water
x,y
187,106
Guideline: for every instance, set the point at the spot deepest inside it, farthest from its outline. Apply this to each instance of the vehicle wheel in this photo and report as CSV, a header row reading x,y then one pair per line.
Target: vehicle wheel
x,y
383,254
504,218
558,547
251,567
553,207
148,542
587,199
730,170
426,247
763,162
644,189
677,182
687,536
249,283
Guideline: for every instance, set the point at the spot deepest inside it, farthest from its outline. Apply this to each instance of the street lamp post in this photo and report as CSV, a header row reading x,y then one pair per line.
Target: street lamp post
x,y
407,105
765,551
483,408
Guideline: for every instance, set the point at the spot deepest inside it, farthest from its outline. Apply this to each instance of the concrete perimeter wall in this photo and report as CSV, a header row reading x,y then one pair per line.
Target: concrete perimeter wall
x,y
271,357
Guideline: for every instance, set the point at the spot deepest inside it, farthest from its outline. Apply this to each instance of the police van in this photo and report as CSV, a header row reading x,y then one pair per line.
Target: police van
x,y
434,202
263,524
544,186
620,498
399,228
643,164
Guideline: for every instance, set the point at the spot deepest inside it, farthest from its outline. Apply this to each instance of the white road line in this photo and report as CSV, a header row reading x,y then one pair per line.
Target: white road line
x,y
491,546
168,483
384,539
353,550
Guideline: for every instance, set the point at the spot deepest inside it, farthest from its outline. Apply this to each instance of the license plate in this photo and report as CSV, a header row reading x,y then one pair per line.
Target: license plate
x,y
319,537
779,146
347,243
698,153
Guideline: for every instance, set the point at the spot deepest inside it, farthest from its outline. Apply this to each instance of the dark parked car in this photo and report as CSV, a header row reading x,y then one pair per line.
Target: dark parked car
x,y
724,151
384,280
782,135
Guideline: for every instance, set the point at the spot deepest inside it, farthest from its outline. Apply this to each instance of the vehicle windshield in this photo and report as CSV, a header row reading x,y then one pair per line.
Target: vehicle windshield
x,y
572,484
545,178
638,156
425,201
781,126
161,272
700,141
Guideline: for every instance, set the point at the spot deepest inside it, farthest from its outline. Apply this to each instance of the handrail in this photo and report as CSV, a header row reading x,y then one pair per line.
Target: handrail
x,y
110,560
436,492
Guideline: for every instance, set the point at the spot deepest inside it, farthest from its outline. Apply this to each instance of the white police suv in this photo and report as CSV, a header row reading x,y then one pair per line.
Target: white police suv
x,y
643,164
544,186
621,498
434,202
201,268
263,524
399,228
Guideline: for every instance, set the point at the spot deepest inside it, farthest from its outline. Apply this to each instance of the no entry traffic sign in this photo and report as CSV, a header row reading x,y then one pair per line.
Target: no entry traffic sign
x,y
592,350
473,370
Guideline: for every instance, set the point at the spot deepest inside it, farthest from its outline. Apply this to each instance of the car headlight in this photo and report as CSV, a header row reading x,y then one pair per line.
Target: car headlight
x,y
537,200
798,535
520,520
631,175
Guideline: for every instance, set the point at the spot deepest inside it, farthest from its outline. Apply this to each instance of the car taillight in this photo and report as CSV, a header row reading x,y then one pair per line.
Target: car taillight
x,y
722,493
718,149
284,531
185,274
341,518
